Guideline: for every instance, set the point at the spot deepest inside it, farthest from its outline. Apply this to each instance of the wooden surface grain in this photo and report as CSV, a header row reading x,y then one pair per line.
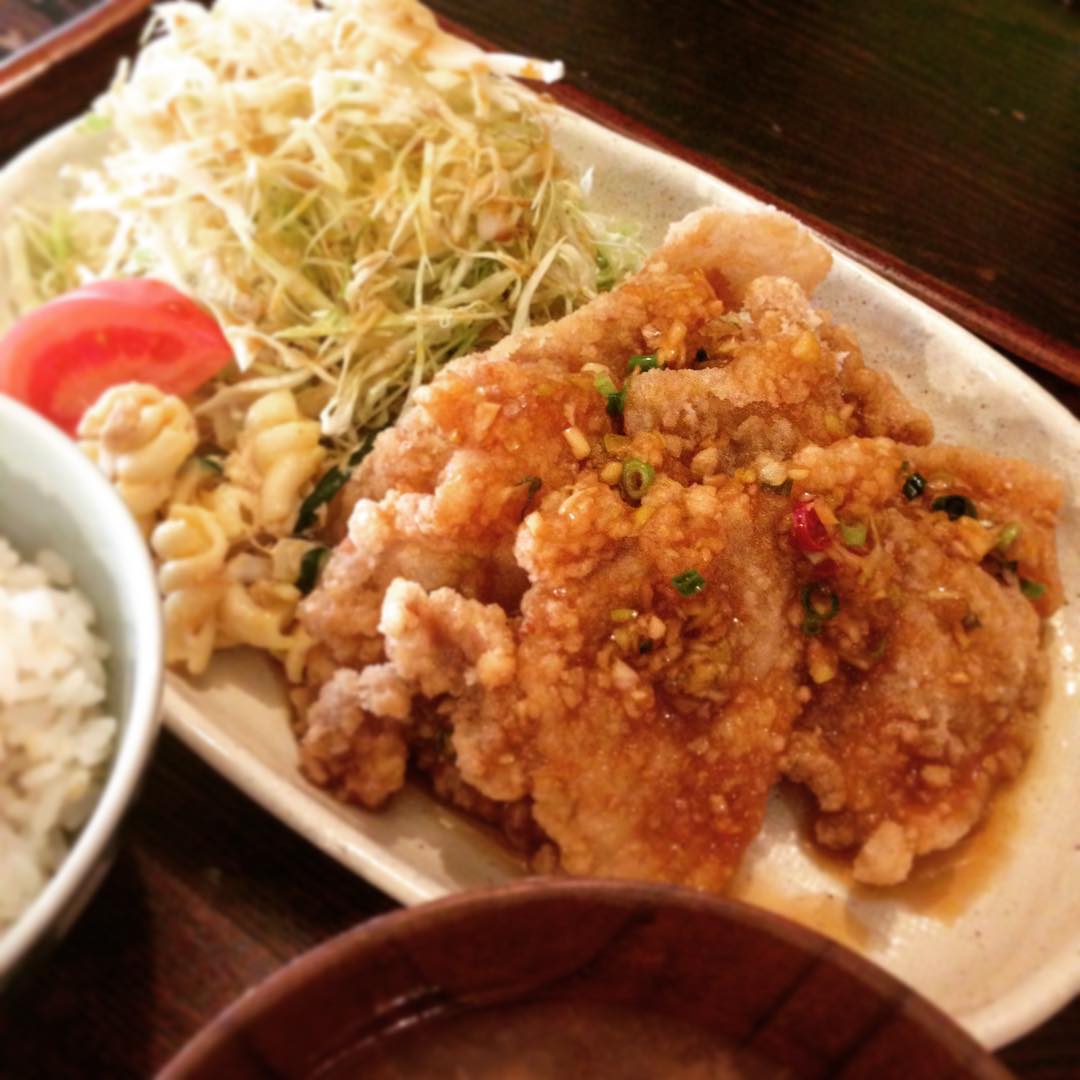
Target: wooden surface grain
x,y
944,133
24,21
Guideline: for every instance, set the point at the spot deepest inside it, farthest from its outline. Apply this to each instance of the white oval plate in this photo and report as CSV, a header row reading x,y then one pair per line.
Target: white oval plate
x,y
1012,955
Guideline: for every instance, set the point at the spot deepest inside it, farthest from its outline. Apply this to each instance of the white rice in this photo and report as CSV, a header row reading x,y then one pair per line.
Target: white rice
x,y
54,735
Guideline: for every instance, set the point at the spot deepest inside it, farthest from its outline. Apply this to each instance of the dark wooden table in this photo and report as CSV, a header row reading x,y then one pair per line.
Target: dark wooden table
x,y
940,137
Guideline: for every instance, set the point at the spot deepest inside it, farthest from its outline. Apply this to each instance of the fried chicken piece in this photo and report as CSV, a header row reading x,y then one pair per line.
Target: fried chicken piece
x,y
930,675
703,268
669,307
452,651
643,727
512,413
777,376
440,497
514,613
437,644
354,743
737,249
461,469
655,719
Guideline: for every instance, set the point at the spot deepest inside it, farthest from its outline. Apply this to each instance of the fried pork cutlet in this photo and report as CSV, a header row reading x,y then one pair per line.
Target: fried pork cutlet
x,y
928,677
455,479
568,589
776,376
443,492
643,726
674,307
650,717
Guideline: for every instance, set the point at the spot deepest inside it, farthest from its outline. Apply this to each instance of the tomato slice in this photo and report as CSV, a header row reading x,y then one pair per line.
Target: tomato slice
x,y
60,357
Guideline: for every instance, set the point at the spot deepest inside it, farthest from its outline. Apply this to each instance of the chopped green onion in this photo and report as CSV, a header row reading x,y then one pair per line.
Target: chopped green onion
x,y
778,489
211,463
1007,537
330,483
1032,589
643,363
533,483
615,398
818,599
914,486
854,536
956,506
820,604
310,567
637,477
688,583
92,123
623,614
363,449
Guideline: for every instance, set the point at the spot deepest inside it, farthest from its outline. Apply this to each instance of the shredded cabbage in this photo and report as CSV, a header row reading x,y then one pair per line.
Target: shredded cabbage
x,y
356,195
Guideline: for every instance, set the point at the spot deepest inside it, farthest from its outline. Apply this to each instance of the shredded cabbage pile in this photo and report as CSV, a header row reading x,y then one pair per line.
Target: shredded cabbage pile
x,y
356,195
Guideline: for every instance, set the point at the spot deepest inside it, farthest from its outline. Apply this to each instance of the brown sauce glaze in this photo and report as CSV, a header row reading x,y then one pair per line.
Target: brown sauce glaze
x,y
827,913
942,885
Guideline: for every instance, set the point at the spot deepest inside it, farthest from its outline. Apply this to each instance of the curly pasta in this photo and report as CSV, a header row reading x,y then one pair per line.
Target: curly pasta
x,y
263,614
217,524
194,479
235,508
278,455
140,438
191,549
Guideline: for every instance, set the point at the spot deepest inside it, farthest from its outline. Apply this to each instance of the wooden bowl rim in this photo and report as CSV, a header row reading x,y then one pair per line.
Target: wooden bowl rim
x,y
468,907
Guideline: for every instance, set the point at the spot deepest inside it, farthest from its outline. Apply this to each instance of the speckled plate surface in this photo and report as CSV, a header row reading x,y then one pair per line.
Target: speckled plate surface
x,y
993,937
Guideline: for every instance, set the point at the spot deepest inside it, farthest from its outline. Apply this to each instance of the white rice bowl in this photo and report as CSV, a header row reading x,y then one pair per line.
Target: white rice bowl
x,y
80,682
55,737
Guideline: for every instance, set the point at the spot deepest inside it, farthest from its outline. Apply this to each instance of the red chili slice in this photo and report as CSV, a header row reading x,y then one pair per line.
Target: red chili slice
x,y
808,532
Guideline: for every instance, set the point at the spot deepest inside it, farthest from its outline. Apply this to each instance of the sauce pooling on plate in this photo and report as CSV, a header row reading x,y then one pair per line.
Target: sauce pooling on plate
x,y
552,1041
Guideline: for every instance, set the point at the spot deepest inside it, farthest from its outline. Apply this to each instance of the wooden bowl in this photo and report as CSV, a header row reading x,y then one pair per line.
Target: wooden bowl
x,y
603,971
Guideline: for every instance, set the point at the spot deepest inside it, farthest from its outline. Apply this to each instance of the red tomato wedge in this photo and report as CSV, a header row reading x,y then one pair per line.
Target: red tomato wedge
x,y
60,357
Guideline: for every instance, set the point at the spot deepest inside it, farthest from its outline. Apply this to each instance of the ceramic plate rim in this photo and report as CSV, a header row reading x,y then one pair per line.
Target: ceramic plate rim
x,y
1029,1002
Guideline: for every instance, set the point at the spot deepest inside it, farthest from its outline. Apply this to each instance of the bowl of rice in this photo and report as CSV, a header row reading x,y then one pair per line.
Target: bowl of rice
x,y
80,680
